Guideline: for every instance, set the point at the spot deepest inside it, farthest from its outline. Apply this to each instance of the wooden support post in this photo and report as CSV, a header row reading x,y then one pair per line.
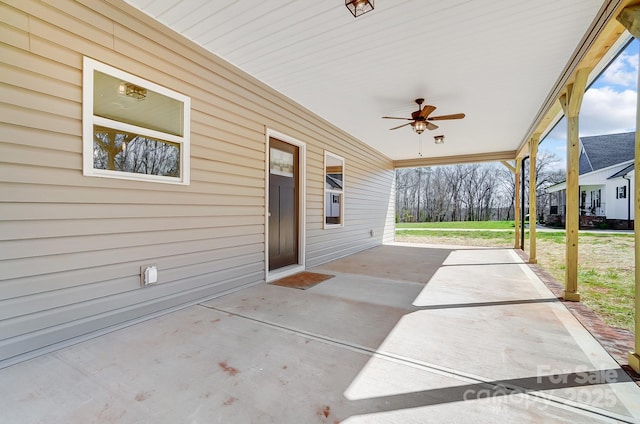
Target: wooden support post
x,y
571,101
630,18
634,357
516,209
572,213
533,213
516,200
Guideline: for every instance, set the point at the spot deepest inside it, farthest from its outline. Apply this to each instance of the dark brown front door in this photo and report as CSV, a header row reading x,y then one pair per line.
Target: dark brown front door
x,y
283,204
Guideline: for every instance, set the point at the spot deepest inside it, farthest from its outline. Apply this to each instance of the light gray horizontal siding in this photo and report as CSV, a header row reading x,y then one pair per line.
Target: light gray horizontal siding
x,y
71,246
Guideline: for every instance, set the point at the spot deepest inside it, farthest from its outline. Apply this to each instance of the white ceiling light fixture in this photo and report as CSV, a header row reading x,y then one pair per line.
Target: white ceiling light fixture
x,y
359,7
439,139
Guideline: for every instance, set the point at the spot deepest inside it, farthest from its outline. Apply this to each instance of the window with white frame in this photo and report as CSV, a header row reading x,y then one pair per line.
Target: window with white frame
x,y
621,192
333,190
132,128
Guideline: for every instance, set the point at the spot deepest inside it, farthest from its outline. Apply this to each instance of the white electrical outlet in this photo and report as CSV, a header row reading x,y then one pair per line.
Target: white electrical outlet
x,y
148,275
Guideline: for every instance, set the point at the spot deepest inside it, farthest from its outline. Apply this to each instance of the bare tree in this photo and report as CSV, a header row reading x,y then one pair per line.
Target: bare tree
x,y
467,192
547,174
121,151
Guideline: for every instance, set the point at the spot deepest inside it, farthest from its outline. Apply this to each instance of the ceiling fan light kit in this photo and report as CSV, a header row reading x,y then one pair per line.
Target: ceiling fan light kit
x,y
359,7
419,126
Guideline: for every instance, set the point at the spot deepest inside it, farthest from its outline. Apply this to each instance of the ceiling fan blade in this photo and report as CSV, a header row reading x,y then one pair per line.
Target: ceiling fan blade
x,y
443,117
426,111
400,126
395,117
431,126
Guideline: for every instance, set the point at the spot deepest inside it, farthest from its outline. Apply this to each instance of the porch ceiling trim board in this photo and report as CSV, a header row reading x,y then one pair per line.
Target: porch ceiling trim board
x,y
596,44
453,160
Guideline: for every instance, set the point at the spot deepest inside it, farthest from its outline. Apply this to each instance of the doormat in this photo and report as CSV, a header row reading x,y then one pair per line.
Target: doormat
x,y
302,280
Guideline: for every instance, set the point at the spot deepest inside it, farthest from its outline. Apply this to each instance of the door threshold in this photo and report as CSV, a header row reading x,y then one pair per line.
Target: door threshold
x,y
284,272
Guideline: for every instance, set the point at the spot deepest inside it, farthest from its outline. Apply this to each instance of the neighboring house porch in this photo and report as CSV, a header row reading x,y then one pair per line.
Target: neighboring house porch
x,y
606,184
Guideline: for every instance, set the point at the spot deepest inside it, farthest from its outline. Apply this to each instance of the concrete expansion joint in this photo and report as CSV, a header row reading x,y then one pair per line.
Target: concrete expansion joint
x,y
497,387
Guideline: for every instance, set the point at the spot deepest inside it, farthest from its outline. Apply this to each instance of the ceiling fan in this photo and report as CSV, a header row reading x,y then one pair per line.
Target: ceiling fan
x,y
421,119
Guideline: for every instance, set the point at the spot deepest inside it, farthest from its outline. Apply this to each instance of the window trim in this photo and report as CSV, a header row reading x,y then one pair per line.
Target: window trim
x,y
89,120
333,191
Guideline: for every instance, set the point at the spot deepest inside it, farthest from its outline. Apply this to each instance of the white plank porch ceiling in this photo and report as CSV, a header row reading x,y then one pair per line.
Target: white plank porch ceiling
x,y
495,60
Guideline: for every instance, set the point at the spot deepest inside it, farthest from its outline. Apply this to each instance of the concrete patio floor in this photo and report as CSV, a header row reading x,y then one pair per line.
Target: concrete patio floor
x,y
399,335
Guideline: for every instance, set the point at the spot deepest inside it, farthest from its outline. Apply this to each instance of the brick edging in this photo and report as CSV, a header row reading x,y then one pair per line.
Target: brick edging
x,y
617,342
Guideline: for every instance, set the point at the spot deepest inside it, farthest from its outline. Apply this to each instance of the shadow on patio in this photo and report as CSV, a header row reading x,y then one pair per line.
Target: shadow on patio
x,y
399,334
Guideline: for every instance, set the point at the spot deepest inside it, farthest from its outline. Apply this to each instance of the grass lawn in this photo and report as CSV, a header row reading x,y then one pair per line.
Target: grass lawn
x,y
605,264
474,225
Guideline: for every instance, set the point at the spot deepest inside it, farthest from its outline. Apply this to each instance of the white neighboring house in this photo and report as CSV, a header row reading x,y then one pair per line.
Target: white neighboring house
x,y
606,182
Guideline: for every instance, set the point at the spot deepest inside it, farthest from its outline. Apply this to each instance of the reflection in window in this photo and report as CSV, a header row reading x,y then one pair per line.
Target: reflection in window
x,y
333,190
132,128
281,163
126,152
122,101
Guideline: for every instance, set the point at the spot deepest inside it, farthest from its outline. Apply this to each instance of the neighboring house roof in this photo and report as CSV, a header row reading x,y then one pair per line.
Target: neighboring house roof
x,y
622,172
334,183
602,151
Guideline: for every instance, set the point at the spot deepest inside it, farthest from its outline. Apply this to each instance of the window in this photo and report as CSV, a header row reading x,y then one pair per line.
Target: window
x,y
595,198
132,128
621,192
333,190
